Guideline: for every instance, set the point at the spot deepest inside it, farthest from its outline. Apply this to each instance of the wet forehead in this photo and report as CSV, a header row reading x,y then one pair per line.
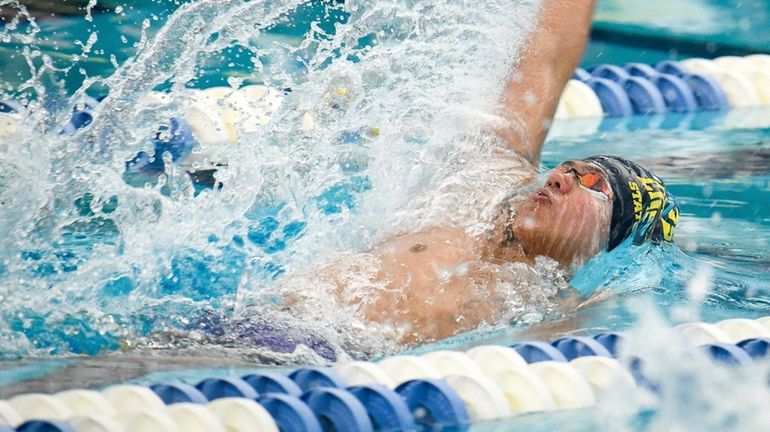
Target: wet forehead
x,y
582,166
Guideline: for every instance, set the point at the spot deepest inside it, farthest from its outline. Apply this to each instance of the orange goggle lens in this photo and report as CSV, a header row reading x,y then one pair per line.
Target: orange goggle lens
x,y
591,180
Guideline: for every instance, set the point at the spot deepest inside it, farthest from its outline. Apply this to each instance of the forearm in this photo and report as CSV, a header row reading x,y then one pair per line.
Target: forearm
x,y
547,62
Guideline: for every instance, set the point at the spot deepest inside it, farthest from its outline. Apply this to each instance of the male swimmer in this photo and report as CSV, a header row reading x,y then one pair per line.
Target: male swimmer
x,y
452,270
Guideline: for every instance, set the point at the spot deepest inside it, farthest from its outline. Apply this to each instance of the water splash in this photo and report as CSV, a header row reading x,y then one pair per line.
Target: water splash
x,y
104,263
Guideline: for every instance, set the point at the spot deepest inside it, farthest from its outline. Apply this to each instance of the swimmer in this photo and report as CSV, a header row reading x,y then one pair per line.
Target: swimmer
x,y
442,278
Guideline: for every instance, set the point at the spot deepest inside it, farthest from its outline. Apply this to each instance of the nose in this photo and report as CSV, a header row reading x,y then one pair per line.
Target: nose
x,y
560,181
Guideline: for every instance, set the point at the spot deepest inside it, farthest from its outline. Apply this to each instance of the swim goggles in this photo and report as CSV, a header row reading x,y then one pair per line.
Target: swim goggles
x,y
592,180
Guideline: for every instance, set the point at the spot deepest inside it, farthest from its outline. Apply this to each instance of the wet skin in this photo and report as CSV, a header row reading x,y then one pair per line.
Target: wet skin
x,y
439,282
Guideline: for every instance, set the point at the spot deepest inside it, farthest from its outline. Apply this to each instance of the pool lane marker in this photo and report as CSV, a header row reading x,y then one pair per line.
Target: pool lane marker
x,y
44,426
242,415
128,398
271,382
402,368
739,329
364,373
578,100
387,410
567,386
85,402
447,363
485,383
602,373
290,412
491,358
483,399
194,418
339,408
148,421
37,406
8,415
523,389
96,423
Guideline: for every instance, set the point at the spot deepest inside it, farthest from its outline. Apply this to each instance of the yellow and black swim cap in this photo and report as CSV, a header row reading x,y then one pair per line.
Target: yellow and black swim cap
x,y
642,207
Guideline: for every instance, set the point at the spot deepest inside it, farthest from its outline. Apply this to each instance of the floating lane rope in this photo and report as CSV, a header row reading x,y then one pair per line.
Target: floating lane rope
x,y
242,415
386,409
214,119
404,368
8,415
268,382
36,406
688,85
128,398
290,413
439,389
194,418
452,362
364,373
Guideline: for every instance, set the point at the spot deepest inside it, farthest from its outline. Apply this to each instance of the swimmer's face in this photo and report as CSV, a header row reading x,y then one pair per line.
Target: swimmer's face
x,y
568,219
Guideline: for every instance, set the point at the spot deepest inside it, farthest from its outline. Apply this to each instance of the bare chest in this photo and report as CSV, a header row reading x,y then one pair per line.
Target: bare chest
x,y
433,284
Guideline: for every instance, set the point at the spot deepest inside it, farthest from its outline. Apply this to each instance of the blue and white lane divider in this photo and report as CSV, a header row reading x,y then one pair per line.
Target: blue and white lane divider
x,y
403,392
213,120
685,86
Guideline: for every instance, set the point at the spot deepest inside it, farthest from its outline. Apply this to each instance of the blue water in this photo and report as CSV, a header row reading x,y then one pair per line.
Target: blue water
x,y
56,301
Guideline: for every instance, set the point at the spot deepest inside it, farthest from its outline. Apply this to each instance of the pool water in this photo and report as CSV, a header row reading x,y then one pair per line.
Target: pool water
x,y
93,264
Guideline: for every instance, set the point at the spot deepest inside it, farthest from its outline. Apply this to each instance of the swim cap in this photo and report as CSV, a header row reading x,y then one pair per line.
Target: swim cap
x,y
641,204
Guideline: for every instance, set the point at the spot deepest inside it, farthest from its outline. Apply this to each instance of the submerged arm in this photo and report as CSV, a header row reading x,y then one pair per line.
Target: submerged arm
x,y
550,56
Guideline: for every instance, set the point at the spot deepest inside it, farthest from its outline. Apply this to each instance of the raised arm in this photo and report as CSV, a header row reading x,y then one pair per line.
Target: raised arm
x,y
549,57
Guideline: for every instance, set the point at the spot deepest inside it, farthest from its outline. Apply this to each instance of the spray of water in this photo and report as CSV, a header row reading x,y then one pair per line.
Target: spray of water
x,y
377,105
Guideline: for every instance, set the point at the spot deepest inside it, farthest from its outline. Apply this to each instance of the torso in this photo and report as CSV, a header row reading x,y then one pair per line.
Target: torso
x,y
439,280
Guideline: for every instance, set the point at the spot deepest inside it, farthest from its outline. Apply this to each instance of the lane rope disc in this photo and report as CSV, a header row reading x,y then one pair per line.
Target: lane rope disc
x,y
483,399
310,378
569,389
178,392
338,409
194,418
148,421
602,372
403,368
290,413
242,415
534,352
523,389
739,329
8,415
491,358
434,404
700,333
96,423
85,402
728,354
363,373
269,382
580,346
127,398
37,406
217,388
452,362
387,410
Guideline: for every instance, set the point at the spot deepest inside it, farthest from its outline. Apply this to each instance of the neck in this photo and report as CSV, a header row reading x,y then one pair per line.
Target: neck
x,y
501,243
